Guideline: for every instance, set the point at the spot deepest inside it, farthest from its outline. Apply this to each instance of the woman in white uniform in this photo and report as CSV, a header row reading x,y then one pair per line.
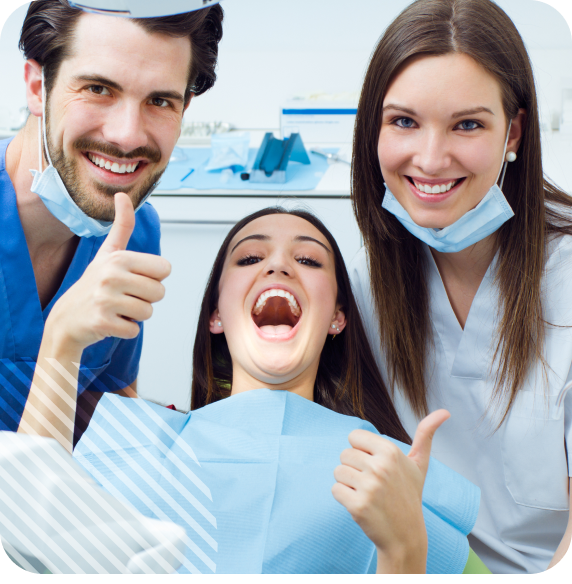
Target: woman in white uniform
x,y
465,279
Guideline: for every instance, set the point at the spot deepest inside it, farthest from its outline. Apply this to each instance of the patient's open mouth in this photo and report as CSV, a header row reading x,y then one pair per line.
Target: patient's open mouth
x,y
276,312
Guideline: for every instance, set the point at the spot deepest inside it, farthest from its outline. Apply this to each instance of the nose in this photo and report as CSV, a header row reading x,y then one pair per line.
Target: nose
x,y
432,153
125,126
278,264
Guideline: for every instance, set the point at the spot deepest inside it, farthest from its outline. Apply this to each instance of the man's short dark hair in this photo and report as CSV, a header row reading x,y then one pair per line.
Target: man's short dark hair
x,y
48,30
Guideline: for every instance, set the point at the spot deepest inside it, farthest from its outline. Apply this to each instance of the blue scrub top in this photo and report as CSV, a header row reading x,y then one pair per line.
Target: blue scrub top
x,y
109,365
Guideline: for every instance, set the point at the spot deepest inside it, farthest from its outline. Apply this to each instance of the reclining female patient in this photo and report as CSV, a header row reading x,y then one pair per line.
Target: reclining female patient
x,y
250,472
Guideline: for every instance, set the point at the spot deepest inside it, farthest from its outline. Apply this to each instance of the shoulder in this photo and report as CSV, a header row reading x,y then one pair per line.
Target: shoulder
x,y
147,233
3,147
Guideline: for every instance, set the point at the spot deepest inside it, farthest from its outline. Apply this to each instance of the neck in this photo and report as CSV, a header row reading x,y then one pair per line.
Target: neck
x,y
42,230
469,264
302,385
463,272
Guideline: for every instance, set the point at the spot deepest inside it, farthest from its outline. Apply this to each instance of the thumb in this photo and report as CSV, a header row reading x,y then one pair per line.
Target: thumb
x,y
118,237
421,447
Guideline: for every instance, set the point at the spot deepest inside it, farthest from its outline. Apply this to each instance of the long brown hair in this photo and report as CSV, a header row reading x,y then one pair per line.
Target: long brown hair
x,y
397,263
347,381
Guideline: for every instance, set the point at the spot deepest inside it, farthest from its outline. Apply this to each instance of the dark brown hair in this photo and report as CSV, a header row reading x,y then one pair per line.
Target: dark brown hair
x,y
347,381
48,30
397,263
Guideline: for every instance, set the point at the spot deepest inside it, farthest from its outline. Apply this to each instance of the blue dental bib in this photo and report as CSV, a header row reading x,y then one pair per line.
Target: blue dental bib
x,y
250,479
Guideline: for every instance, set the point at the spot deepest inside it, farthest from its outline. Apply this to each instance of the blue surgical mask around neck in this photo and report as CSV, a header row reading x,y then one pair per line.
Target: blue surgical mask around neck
x,y
472,227
48,185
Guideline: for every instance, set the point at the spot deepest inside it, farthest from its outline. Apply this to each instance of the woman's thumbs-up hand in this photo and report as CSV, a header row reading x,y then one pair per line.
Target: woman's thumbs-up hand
x,y
382,489
117,289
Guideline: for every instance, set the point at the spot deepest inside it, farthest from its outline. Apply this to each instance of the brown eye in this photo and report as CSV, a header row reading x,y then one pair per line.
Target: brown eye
x,y
98,90
249,260
308,261
160,102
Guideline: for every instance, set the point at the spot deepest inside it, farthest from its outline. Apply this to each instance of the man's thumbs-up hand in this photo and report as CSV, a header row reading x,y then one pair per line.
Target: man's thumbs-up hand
x,y
382,489
117,289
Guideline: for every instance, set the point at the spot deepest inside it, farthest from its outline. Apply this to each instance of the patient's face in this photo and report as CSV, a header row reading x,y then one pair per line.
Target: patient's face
x,y
277,302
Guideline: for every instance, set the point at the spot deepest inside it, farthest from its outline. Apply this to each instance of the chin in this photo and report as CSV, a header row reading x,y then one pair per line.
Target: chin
x,y
433,219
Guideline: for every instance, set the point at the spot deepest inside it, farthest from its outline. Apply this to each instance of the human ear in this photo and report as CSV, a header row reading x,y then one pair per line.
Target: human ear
x,y
516,131
338,323
33,80
215,323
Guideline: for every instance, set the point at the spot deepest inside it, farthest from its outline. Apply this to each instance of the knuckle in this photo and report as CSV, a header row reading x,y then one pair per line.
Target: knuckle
x,y
147,311
160,292
379,471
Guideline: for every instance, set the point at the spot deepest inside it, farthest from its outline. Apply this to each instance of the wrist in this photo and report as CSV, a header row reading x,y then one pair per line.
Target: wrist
x,y
409,558
58,344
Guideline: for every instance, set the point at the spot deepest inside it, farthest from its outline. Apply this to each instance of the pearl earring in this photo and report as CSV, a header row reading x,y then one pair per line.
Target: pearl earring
x,y
219,323
510,156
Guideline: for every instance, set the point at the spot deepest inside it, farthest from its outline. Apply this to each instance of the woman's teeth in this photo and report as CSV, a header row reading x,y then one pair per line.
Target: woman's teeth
x,y
435,189
113,166
294,308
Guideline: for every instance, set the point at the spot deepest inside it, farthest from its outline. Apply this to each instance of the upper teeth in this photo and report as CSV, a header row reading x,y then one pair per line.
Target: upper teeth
x,y
277,292
434,189
113,166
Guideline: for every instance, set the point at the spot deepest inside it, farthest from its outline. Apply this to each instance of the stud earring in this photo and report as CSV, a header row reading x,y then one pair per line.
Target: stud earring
x,y
510,156
219,323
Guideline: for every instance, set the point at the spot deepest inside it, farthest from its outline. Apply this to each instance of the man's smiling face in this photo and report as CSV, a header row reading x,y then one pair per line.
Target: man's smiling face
x,y
115,111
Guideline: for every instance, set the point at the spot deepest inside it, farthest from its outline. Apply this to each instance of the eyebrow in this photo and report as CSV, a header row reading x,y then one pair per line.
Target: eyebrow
x,y
256,236
460,114
308,238
298,238
100,80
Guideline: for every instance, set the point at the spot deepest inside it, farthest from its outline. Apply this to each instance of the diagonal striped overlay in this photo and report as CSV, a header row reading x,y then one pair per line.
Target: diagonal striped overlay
x,y
47,462
9,575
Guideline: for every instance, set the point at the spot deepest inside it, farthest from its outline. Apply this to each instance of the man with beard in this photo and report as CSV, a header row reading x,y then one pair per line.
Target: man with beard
x,y
107,97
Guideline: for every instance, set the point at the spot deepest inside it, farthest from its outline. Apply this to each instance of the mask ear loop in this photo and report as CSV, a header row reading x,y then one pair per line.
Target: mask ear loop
x,y
505,162
41,127
40,122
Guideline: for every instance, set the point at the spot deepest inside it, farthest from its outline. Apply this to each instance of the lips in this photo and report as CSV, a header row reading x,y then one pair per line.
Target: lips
x,y
111,171
434,190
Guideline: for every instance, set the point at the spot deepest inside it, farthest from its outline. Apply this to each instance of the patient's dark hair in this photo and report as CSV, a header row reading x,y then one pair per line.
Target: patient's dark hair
x,y
348,380
48,31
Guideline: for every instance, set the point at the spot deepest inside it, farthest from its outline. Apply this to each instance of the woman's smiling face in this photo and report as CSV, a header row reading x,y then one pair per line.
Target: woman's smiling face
x,y
277,302
442,137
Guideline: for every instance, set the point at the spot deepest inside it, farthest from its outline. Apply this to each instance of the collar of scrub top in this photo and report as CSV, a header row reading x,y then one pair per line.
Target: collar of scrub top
x,y
142,8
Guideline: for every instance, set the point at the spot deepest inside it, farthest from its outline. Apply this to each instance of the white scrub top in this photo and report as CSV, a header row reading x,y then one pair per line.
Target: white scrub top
x,y
522,468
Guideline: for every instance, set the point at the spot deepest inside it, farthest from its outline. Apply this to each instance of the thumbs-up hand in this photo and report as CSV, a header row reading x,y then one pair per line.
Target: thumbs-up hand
x,y
382,488
117,289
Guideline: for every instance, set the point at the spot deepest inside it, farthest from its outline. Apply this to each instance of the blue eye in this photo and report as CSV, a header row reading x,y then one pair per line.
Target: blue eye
x,y
469,125
404,122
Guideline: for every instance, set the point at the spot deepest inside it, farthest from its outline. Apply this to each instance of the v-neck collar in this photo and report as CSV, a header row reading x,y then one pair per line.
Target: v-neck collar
x,y
25,312
467,351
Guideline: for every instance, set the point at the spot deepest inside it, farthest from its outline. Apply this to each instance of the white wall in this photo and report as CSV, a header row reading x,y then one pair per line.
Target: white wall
x,y
273,50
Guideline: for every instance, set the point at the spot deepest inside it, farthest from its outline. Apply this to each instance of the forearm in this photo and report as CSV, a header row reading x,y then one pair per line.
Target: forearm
x,y
562,548
51,406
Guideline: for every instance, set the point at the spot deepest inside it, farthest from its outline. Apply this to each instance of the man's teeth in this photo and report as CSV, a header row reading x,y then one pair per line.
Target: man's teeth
x,y
294,308
113,166
435,189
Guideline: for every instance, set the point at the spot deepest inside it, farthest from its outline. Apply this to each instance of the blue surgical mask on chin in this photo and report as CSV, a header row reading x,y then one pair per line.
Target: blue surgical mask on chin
x,y
49,186
473,226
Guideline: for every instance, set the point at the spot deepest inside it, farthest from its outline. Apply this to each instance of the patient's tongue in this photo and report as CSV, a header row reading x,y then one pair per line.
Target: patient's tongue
x,y
276,330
